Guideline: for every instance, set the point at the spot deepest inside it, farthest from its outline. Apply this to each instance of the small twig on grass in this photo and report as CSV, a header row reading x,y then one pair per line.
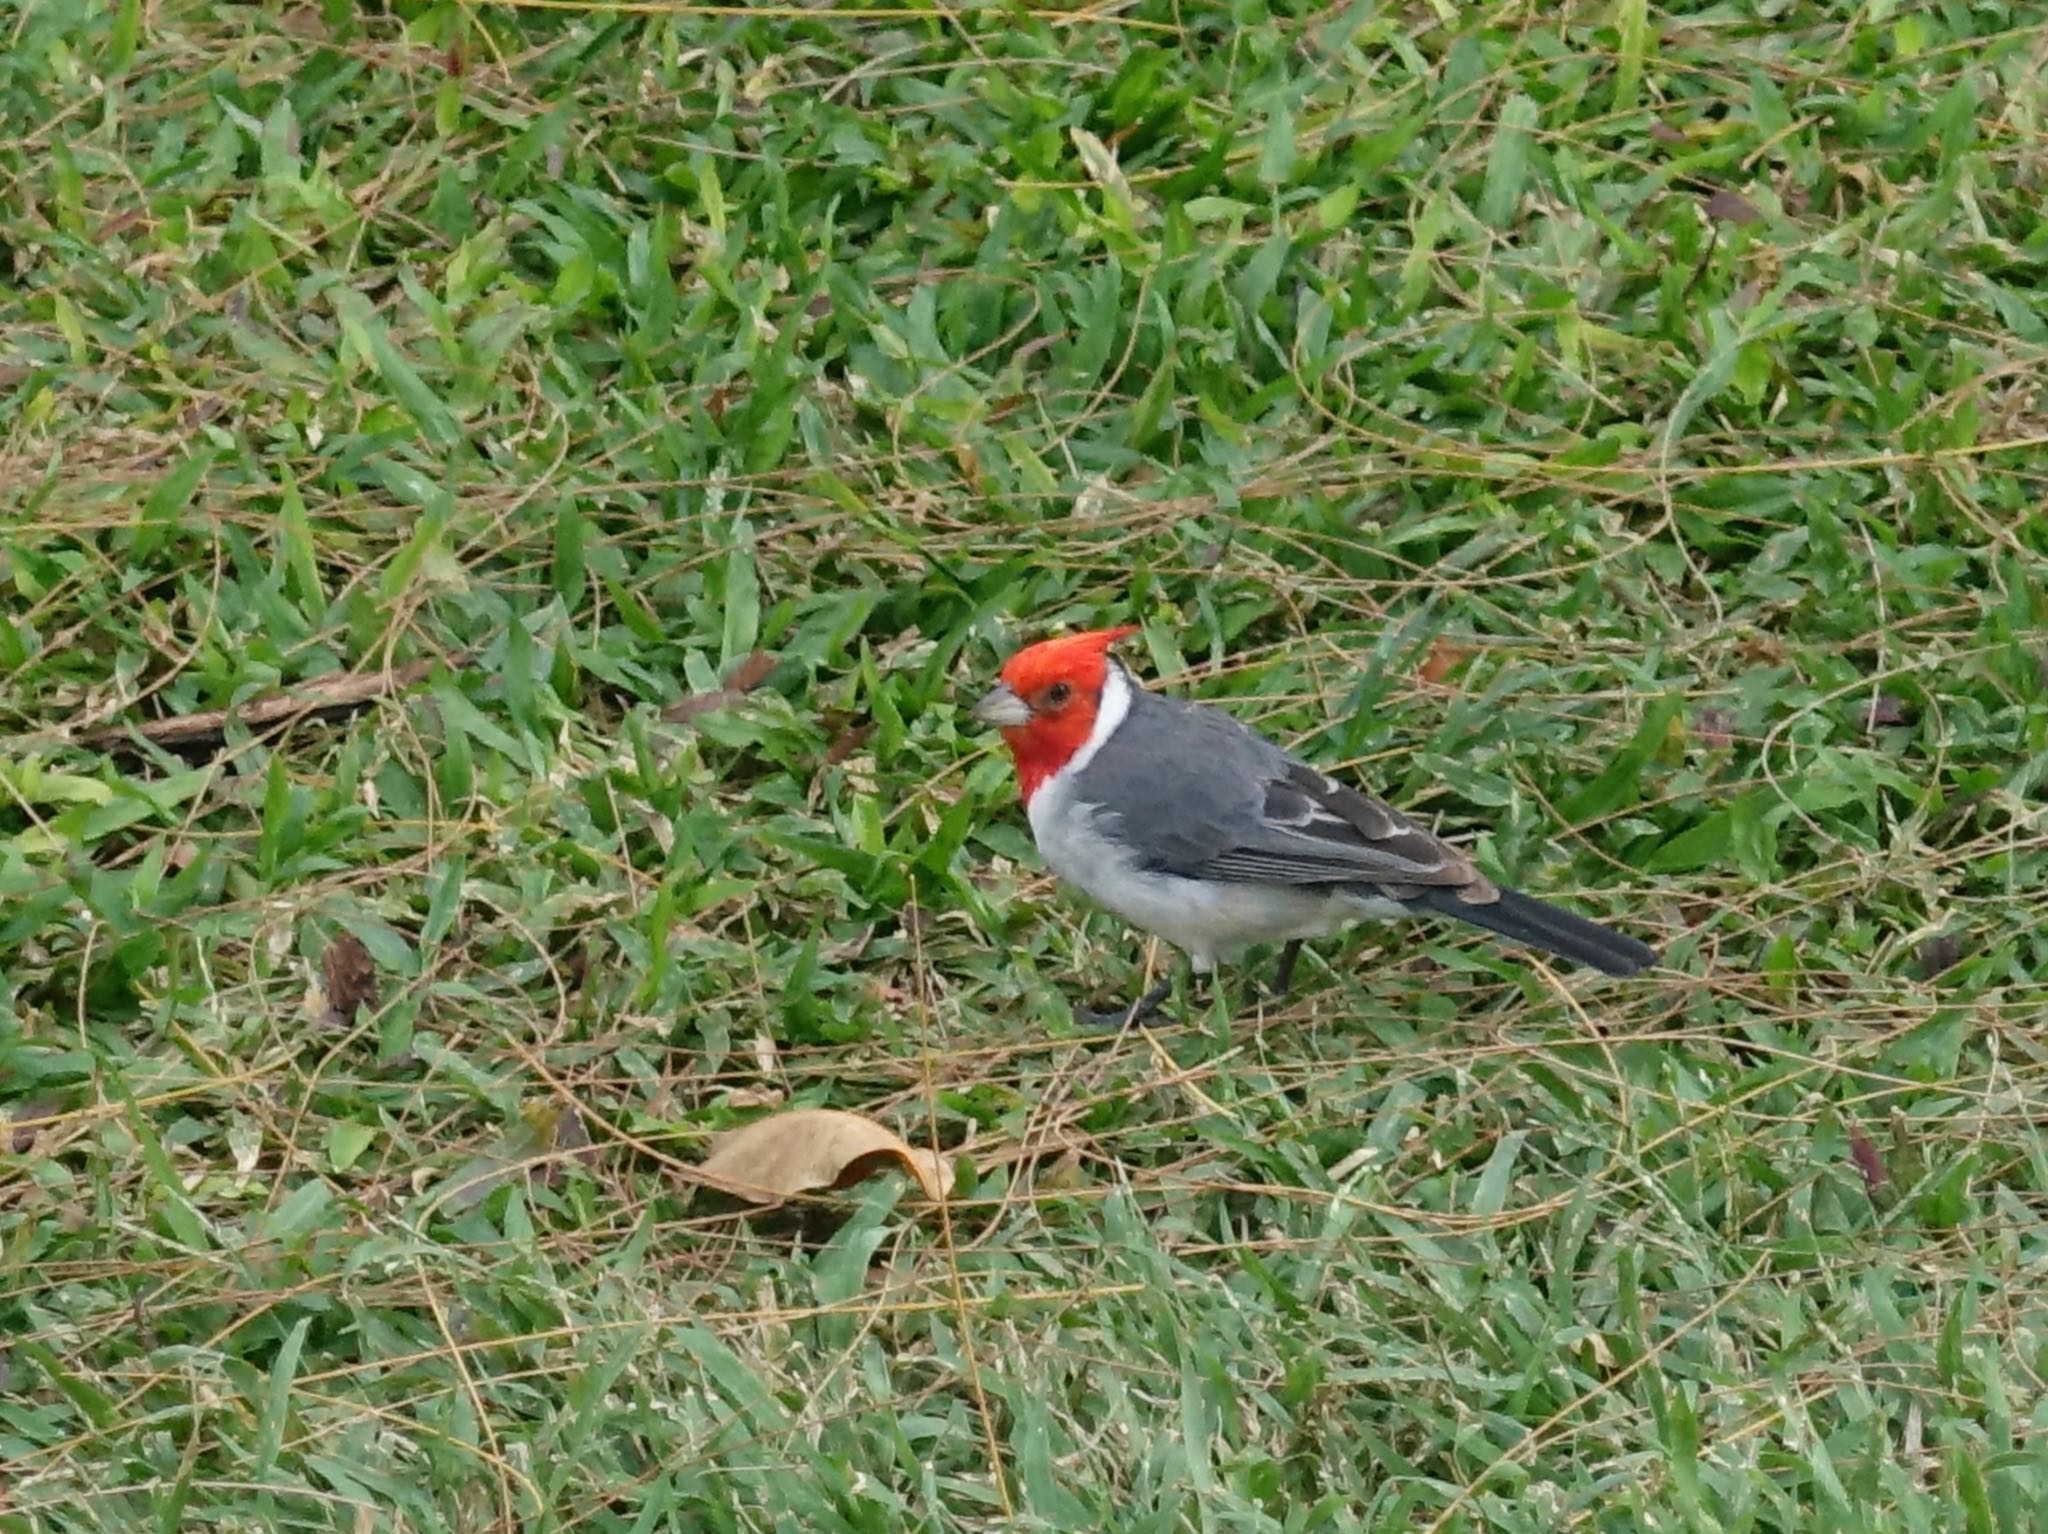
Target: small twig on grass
x,y
338,690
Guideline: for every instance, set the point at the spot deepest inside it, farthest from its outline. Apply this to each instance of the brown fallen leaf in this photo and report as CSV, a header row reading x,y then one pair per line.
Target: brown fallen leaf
x,y
848,741
749,673
341,690
1443,658
349,979
683,710
720,399
1867,1160
120,223
810,1149
1884,710
1731,206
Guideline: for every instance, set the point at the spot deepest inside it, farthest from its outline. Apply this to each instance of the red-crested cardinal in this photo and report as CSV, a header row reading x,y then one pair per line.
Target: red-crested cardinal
x,y
1187,824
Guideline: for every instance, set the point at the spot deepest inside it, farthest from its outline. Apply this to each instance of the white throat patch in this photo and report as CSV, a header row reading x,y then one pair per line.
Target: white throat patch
x,y
1109,713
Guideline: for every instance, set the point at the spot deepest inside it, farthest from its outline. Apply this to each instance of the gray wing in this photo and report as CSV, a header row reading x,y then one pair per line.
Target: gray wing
x,y
1234,806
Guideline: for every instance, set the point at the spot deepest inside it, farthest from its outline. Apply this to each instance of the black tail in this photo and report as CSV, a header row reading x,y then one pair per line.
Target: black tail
x,y
1525,919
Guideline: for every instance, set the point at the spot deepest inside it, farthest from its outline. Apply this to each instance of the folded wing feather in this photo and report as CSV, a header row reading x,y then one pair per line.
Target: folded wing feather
x,y
1244,810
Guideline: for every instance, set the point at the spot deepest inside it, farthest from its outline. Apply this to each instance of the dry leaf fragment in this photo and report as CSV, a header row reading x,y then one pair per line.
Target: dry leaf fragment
x,y
848,741
751,671
1443,658
1884,710
699,703
809,1149
1732,206
1664,133
1867,1160
720,399
120,223
746,675
350,980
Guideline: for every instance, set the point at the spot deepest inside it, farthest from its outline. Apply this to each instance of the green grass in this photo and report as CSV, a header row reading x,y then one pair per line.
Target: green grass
x,y
1615,432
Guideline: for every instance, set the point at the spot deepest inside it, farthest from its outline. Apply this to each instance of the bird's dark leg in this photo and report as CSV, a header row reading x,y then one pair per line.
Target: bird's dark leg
x,y
1122,1017
1283,976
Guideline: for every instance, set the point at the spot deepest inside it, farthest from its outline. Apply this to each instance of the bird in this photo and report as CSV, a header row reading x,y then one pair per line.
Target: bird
x,y
1188,824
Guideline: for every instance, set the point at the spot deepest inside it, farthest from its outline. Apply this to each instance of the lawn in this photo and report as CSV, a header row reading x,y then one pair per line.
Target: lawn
x,y
506,508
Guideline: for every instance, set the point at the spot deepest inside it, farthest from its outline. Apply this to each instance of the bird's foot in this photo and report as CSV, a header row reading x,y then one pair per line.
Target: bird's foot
x,y
1145,1007
1257,998
1148,1005
1283,974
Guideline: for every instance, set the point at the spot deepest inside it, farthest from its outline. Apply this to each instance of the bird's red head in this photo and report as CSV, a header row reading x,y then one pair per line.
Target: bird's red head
x,y
1047,701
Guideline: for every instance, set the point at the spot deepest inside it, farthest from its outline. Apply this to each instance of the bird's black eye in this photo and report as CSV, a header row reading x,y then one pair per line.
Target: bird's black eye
x,y
1058,693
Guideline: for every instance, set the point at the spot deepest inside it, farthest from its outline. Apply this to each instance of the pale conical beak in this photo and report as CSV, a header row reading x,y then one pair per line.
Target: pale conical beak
x,y
1001,707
